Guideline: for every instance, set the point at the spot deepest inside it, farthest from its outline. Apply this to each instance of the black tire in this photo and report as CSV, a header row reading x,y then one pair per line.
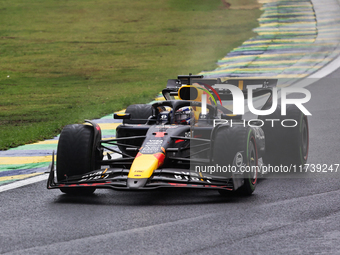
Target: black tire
x,y
139,113
75,155
227,143
286,145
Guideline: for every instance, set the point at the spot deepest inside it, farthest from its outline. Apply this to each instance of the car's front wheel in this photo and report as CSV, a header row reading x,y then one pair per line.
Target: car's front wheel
x,y
233,144
75,155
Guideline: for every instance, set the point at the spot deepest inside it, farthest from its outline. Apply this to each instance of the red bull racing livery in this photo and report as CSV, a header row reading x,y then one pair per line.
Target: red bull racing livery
x,y
190,140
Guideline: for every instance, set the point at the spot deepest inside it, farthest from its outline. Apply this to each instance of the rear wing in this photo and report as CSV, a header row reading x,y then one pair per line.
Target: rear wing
x,y
216,85
189,80
256,83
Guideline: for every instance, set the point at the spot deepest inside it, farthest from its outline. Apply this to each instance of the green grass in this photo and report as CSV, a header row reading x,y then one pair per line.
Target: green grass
x,y
66,60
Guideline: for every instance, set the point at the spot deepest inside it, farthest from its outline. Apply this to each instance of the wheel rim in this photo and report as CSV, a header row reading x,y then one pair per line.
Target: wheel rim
x,y
252,162
305,139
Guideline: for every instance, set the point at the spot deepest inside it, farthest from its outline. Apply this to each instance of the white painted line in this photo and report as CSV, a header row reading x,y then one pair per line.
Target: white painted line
x,y
39,178
18,184
323,72
326,70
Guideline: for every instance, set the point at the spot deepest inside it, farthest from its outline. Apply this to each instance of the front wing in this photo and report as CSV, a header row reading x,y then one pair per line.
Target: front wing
x,y
116,178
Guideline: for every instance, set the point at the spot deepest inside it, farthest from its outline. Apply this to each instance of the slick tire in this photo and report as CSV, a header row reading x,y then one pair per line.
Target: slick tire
x,y
75,155
287,146
227,143
139,113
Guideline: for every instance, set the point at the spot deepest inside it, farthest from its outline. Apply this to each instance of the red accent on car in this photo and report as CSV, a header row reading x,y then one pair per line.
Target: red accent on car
x,y
178,184
160,156
160,134
179,140
213,90
97,184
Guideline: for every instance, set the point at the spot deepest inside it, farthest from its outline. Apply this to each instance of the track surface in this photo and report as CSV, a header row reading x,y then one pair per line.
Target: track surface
x,y
284,216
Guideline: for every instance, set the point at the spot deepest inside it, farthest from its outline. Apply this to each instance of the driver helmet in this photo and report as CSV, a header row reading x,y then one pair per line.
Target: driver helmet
x,y
184,116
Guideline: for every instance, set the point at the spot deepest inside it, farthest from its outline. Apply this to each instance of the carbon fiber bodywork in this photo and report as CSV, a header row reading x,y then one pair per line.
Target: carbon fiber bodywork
x,y
177,149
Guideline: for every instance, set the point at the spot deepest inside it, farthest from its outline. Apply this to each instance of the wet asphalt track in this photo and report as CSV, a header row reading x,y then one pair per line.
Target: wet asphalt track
x,y
283,216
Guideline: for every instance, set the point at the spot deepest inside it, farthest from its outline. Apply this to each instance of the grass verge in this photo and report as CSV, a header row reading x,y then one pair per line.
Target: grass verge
x,y
67,60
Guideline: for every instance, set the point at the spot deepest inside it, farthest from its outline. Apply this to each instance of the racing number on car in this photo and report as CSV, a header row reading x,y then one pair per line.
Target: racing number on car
x,y
152,146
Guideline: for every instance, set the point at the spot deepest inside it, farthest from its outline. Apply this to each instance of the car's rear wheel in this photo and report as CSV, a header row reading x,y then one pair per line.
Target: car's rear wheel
x,y
232,141
75,155
139,113
287,146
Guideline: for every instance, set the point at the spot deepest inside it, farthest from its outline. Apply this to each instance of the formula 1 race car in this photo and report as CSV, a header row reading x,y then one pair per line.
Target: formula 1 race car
x,y
192,139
